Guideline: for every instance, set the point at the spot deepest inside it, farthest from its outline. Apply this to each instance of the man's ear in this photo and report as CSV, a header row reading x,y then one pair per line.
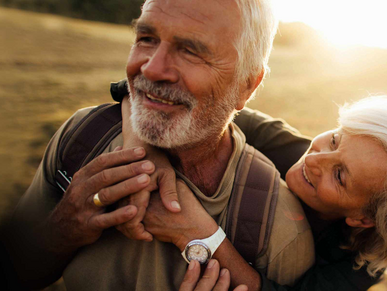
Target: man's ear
x,y
361,221
251,84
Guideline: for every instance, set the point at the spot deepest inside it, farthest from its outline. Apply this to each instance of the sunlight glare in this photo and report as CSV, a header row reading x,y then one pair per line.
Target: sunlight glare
x,y
343,22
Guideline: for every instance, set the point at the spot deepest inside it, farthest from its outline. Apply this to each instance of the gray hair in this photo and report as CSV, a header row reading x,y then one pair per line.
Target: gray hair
x,y
258,29
368,117
254,45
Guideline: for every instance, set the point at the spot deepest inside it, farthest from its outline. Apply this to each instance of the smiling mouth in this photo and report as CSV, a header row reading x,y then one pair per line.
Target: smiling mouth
x,y
159,100
306,176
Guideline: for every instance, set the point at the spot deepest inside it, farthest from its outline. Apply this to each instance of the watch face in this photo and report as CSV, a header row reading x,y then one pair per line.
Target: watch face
x,y
198,251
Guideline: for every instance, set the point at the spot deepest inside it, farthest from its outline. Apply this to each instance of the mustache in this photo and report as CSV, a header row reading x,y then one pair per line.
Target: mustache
x,y
170,92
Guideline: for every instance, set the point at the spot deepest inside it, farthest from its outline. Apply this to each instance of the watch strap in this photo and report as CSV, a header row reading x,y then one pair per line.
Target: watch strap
x,y
212,242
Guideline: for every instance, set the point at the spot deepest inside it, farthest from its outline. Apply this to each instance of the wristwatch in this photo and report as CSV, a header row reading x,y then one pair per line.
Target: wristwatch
x,y
202,250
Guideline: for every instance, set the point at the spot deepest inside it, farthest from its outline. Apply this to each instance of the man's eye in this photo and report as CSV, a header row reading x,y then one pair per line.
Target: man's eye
x,y
146,40
188,51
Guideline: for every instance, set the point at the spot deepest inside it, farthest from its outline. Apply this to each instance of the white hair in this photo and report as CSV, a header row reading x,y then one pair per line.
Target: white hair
x,y
254,45
368,117
258,29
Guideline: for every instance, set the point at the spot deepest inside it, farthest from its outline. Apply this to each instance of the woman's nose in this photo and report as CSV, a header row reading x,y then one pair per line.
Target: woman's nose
x,y
317,162
159,66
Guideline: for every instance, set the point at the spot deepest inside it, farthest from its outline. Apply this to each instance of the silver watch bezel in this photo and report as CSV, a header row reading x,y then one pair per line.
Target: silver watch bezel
x,y
198,242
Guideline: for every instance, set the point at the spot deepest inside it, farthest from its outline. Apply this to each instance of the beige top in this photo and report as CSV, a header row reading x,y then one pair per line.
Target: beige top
x,y
116,263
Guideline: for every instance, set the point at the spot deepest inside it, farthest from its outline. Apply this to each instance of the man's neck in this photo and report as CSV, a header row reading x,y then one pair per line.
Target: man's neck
x,y
204,164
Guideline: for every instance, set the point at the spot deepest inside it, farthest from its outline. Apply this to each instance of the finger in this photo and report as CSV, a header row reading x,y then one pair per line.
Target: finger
x,y
210,276
110,219
223,282
112,159
241,288
134,229
135,232
112,194
167,189
127,179
191,276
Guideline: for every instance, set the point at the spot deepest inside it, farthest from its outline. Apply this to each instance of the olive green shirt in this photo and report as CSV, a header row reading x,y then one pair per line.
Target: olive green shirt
x,y
115,262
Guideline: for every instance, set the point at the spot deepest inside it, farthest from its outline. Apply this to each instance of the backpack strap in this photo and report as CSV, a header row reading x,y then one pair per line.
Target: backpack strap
x,y
254,195
252,204
86,140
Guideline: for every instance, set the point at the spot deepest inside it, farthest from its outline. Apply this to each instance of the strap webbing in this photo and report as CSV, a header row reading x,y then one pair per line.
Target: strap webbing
x,y
252,204
87,140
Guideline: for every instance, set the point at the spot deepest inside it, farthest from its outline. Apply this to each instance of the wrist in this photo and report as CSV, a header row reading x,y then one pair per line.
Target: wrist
x,y
202,250
196,233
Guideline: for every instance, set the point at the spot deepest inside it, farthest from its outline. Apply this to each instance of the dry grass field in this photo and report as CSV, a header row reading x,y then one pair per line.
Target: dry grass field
x,y
50,66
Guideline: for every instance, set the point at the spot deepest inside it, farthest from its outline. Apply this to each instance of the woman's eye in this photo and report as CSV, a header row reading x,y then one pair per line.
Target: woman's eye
x,y
334,140
338,177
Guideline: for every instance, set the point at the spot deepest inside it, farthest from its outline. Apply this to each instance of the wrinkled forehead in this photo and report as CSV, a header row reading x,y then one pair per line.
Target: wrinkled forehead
x,y
221,17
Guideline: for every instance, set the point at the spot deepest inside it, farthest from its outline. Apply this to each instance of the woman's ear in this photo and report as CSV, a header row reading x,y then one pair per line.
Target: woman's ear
x,y
251,84
360,222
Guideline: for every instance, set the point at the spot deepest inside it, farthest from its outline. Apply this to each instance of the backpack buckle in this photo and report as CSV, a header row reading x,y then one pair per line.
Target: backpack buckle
x,y
62,180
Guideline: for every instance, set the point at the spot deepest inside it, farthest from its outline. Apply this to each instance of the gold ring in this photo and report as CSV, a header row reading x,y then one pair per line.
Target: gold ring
x,y
96,201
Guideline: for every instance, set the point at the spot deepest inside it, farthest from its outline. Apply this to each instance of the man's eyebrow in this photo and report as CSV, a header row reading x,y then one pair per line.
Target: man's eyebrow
x,y
143,28
196,45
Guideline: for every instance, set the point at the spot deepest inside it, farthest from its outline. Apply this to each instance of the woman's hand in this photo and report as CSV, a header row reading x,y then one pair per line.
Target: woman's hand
x,y
211,279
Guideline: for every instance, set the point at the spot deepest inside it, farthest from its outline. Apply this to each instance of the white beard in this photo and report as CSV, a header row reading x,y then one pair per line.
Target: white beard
x,y
182,129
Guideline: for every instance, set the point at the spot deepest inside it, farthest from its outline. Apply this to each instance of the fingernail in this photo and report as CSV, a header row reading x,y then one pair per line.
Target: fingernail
x,y
118,149
147,166
130,209
223,272
191,265
211,264
139,151
175,205
142,179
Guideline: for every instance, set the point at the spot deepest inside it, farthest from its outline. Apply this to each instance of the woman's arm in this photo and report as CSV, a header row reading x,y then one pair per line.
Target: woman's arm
x,y
276,139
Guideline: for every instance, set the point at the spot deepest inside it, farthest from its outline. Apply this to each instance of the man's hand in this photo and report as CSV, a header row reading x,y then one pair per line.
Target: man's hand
x,y
163,179
76,221
211,279
193,222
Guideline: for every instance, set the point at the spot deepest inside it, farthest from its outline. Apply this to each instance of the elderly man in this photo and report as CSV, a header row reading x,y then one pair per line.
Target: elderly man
x,y
194,63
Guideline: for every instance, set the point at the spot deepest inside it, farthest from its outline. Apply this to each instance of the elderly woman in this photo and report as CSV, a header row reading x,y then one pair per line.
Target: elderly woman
x,y
342,183
341,180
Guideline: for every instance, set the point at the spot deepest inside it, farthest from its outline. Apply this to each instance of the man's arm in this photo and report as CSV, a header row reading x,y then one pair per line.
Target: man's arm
x,y
48,226
193,222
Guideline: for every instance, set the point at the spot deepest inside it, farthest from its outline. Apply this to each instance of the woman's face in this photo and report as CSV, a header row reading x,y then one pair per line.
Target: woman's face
x,y
339,173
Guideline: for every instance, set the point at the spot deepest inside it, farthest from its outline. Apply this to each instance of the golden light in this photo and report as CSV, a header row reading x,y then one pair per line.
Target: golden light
x,y
343,22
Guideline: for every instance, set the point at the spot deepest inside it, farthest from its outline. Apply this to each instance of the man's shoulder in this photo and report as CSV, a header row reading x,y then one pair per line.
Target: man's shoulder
x,y
291,248
289,218
290,227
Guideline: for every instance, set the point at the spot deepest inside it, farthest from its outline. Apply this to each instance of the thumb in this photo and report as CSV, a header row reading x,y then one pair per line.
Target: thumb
x,y
167,189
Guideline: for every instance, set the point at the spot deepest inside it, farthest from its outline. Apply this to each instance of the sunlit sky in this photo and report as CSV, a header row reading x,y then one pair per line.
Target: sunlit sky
x,y
343,22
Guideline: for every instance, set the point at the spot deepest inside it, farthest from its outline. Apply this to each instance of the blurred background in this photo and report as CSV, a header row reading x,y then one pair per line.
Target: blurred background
x,y
59,55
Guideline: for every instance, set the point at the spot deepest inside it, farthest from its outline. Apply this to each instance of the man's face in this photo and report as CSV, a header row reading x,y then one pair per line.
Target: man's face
x,y
181,71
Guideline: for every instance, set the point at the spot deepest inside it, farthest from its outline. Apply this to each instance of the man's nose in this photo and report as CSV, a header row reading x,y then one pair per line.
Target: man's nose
x,y
159,66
